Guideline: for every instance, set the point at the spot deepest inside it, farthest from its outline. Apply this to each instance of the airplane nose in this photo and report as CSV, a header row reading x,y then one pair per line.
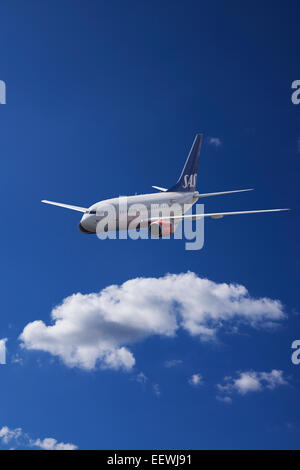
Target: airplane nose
x,y
87,224
82,229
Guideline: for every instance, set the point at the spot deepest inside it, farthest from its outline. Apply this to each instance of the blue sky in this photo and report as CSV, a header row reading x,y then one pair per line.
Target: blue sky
x,y
104,99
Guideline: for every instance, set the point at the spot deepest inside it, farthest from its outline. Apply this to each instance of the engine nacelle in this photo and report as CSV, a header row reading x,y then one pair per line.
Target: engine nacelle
x,y
160,229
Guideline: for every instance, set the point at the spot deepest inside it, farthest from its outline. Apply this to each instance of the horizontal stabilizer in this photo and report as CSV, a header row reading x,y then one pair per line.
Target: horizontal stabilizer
x,y
66,206
160,189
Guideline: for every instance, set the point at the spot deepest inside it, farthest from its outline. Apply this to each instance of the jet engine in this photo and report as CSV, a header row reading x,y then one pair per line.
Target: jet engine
x,y
161,228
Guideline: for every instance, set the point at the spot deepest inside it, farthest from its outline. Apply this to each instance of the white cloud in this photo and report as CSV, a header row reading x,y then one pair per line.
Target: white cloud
x,y
215,141
7,435
225,399
51,444
141,378
18,438
173,363
273,379
156,390
196,380
16,359
251,381
97,328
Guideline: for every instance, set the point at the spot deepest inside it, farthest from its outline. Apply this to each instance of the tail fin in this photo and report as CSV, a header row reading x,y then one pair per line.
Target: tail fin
x,y
188,178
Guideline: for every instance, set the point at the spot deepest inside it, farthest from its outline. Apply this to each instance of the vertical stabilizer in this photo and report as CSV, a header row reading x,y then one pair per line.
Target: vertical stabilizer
x,y
188,178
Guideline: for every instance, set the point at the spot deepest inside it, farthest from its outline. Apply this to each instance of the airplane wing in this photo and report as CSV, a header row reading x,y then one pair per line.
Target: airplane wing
x,y
67,206
215,215
160,189
224,192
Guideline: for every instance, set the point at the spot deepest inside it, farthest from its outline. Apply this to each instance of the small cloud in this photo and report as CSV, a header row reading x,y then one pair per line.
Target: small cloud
x,y
18,438
196,380
251,381
156,390
273,379
51,444
214,141
141,378
173,363
7,435
224,399
17,359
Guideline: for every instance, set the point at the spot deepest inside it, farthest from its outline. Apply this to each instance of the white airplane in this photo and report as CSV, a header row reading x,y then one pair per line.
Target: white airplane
x,y
151,207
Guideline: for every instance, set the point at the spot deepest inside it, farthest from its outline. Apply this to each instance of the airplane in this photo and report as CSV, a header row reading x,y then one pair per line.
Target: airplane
x,y
182,195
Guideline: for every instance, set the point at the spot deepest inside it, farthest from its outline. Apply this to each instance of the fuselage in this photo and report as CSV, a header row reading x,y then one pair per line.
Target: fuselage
x,y
120,212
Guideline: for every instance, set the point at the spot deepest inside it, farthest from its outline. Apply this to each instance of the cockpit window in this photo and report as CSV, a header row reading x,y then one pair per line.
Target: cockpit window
x,y
92,212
